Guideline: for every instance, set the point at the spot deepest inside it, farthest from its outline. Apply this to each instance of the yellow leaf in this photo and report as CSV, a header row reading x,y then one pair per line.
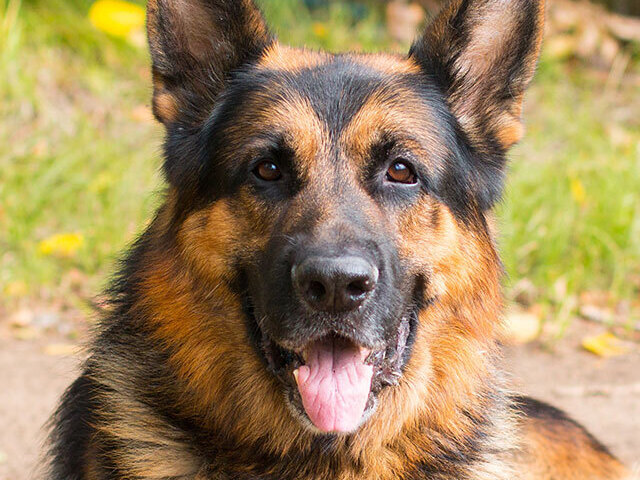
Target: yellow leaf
x,y
117,17
320,30
61,350
578,192
61,245
521,327
604,345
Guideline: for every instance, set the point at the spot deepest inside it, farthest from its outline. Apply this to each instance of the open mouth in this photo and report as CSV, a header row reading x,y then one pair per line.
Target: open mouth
x,y
332,382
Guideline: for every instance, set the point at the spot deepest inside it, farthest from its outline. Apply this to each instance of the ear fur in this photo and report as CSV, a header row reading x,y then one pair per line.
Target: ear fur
x,y
194,45
484,54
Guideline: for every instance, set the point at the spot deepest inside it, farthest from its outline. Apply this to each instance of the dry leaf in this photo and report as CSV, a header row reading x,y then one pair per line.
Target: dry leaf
x,y
521,327
61,349
604,345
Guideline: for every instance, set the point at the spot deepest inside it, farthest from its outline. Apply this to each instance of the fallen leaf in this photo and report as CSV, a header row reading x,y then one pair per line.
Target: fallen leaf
x,y
117,17
604,345
61,245
62,349
521,327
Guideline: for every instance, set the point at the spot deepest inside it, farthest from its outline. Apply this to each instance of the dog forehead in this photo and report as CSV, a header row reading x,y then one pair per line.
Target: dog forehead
x,y
288,84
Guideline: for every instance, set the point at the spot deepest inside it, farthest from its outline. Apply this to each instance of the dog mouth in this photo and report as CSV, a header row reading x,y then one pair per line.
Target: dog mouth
x,y
332,382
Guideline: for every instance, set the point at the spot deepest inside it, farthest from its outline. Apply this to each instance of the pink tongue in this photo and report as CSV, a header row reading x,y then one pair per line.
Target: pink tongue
x,y
335,384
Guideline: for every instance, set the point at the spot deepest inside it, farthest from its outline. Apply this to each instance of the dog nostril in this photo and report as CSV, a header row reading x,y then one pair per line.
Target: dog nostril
x,y
358,288
316,291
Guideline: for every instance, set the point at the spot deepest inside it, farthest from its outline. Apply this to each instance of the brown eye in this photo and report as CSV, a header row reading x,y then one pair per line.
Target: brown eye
x,y
268,171
400,172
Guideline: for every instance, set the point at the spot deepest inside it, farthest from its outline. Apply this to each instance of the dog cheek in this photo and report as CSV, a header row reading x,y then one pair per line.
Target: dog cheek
x,y
208,240
428,235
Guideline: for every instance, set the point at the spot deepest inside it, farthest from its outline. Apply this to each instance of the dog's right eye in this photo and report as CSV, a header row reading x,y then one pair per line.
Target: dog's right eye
x,y
267,171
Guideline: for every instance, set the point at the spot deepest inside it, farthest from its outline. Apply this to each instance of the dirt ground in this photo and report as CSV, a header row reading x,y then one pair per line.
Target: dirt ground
x,y
603,394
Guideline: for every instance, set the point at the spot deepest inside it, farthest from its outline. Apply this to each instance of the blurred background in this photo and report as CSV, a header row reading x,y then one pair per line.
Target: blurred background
x,y
79,179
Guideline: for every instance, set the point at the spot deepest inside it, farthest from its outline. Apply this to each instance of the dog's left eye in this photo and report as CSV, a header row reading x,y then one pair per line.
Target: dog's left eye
x,y
268,171
401,172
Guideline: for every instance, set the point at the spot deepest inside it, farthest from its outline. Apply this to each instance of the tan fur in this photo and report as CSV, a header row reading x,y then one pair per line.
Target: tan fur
x,y
552,450
288,59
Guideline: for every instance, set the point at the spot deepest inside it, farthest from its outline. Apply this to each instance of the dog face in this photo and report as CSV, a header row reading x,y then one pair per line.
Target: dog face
x,y
340,203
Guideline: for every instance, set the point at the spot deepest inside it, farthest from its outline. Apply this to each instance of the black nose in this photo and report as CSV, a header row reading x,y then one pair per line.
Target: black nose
x,y
339,284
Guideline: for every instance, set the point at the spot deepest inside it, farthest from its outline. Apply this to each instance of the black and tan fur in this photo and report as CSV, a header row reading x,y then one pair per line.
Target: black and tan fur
x,y
176,387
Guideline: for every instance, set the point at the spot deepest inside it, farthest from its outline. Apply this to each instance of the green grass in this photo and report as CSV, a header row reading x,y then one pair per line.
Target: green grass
x,y
571,212
78,154
73,158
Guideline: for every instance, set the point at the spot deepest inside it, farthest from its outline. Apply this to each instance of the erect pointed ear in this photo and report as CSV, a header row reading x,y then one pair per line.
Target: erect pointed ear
x,y
484,54
194,46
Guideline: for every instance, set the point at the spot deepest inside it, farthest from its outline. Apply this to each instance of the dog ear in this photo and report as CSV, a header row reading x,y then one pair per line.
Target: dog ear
x,y
483,53
194,46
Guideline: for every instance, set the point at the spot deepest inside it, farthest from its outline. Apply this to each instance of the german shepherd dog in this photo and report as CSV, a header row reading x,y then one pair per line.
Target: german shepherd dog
x,y
319,295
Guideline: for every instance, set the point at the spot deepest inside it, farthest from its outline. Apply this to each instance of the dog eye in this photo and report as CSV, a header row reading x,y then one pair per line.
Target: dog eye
x,y
401,172
268,171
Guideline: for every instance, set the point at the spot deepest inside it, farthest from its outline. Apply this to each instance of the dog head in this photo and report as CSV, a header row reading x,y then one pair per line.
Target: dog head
x,y
336,208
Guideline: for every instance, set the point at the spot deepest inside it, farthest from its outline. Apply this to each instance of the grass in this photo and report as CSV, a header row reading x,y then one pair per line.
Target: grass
x,y
80,154
571,212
